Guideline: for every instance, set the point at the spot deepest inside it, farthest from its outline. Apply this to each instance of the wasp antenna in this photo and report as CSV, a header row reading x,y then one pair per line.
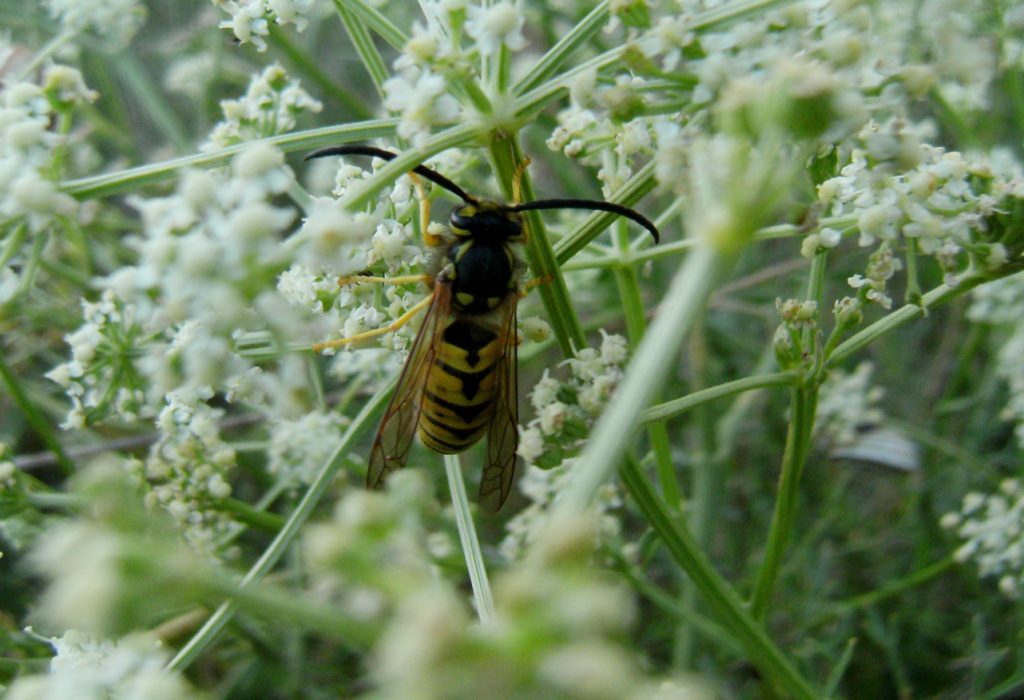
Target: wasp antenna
x,y
374,152
592,205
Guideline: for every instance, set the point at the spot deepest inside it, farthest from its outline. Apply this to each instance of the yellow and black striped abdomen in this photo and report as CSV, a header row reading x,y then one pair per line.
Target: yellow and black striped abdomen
x,y
458,399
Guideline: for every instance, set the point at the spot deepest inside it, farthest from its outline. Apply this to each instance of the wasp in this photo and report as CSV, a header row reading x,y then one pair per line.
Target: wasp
x,y
459,381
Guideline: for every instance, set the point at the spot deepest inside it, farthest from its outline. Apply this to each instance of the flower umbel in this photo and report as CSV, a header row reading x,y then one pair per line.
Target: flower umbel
x,y
992,528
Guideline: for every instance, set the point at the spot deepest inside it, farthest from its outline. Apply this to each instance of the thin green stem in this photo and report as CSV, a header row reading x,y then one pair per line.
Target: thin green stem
x,y
12,243
40,57
376,21
716,592
245,513
815,290
363,43
723,15
134,178
632,191
905,314
39,422
636,326
556,57
153,101
274,604
470,542
656,354
679,406
889,590
286,536
801,423
707,627
507,157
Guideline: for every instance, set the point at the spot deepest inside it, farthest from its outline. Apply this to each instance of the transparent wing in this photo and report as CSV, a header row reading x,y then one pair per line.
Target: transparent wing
x,y
503,431
398,427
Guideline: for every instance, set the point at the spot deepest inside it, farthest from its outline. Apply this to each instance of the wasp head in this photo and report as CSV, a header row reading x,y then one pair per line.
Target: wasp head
x,y
488,220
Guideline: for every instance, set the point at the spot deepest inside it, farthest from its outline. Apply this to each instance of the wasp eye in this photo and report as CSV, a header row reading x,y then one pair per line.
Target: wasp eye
x,y
462,218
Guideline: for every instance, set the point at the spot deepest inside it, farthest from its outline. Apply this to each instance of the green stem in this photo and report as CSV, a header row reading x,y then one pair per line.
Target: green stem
x,y
470,542
376,21
134,178
37,420
905,314
716,592
550,62
507,156
679,406
712,630
815,291
245,513
363,43
636,326
286,536
656,354
801,423
153,101
889,590
632,191
274,604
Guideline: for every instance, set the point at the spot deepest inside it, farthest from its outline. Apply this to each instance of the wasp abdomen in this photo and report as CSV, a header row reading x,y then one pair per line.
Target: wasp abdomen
x,y
459,393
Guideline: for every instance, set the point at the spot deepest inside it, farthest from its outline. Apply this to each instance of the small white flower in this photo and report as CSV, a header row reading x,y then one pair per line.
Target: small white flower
x,y
552,417
493,26
38,199
248,24
115,21
422,104
531,444
536,329
331,237
69,85
545,392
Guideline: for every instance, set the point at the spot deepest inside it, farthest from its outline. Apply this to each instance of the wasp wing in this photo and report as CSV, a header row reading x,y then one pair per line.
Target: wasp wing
x,y
398,427
503,431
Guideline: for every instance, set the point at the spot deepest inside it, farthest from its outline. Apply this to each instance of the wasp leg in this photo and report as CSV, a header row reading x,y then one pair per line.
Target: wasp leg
x,y
403,279
401,321
430,239
517,181
534,282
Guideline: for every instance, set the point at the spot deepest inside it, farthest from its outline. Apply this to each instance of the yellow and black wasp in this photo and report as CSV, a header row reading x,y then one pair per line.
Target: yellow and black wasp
x,y
459,382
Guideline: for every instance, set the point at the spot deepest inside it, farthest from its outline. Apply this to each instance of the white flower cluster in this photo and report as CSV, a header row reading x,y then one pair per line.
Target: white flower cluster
x,y
847,403
992,527
84,667
101,378
373,553
113,21
250,18
207,263
1002,303
810,53
8,470
271,105
170,333
424,90
299,448
27,145
900,190
188,473
565,410
334,242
